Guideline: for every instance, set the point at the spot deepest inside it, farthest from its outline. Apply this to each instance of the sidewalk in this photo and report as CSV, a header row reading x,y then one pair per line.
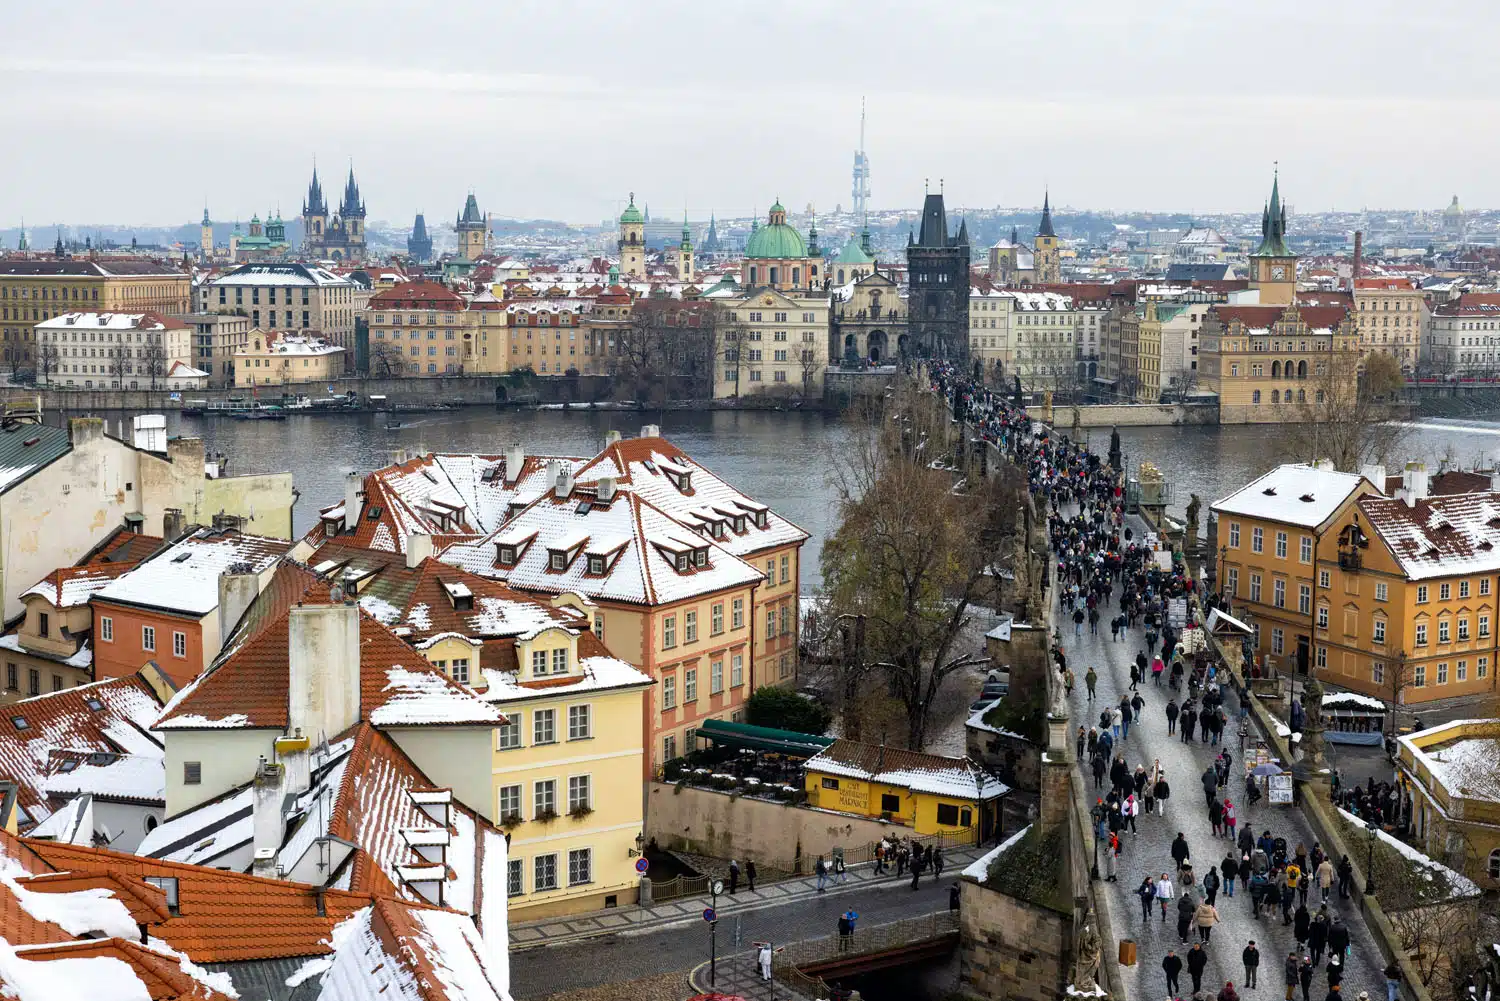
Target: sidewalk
x,y
634,920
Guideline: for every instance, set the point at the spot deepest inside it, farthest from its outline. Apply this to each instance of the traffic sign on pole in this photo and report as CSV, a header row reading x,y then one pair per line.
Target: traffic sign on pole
x,y
709,914
641,865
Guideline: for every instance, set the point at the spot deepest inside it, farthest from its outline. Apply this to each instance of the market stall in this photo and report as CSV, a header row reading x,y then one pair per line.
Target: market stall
x,y
1351,718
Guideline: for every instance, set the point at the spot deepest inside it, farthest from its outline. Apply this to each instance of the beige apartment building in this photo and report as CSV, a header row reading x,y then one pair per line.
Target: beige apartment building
x,y
290,297
90,350
1463,336
1389,314
215,339
425,328
33,290
783,344
275,359
1267,362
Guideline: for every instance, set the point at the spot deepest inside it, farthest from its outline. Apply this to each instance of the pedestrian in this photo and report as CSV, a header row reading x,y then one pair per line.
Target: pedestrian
x,y
1392,980
1172,712
820,869
1171,965
1146,892
1097,767
953,896
1135,677
1163,894
916,867
1338,939
1196,962
1250,959
1210,782
1211,884
1078,622
1130,809
1163,791
1216,816
937,863
1068,684
734,876
1187,907
1290,969
1078,745
1317,936
1230,869
1304,977
750,874
902,855
1335,972
1179,849
1090,679
1346,877
1301,925
1116,720
1229,818
1112,858
1206,917
1227,992
763,956
1325,873
846,928
839,872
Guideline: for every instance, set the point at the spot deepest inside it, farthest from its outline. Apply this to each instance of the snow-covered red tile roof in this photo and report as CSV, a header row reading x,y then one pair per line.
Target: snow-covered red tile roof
x,y
1448,535
184,578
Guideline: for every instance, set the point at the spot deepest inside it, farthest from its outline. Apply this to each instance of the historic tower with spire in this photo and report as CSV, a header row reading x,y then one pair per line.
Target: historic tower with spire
x,y
314,213
341,238
470,228
1273,266
938,276
685,270
206,236
419,244
632,241
1045,252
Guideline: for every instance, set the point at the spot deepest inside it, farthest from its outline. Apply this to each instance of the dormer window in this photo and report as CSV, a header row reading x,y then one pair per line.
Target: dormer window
x,y
682,561
460,596
506,555
557,559
739,524
700,557
762,519
596,564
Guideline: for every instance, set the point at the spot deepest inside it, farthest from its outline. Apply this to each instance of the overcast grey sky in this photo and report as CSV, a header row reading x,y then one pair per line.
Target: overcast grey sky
x,y
136,112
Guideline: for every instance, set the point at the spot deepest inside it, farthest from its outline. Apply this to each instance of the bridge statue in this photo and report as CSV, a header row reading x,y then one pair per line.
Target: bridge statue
x,y
1312,726
1116,460
1190,533
1086,961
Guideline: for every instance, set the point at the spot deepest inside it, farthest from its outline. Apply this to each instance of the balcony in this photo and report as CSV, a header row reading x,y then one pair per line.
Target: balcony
x,y
1351,560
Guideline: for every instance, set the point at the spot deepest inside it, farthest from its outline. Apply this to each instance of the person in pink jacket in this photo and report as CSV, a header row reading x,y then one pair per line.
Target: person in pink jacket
x,y
1228,819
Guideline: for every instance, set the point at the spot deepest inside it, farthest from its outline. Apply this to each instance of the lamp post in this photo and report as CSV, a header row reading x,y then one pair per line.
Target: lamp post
x,y
1370,859
1219,579
715,887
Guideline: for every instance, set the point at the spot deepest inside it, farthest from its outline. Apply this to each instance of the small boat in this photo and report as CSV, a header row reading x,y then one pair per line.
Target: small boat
x,y
394,425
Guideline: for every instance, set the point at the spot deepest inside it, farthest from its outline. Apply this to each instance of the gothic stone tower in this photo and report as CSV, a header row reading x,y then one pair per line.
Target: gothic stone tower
x,y
205,236
314,214
632,241
938,275
419,244
1273,266
352,212
1045,251
470,227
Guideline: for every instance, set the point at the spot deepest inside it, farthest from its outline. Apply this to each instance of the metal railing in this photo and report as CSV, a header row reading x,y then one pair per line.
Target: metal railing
x,y
865,941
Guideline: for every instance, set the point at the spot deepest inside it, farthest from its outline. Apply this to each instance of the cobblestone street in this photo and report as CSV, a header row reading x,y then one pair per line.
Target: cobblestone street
x,y
1149,851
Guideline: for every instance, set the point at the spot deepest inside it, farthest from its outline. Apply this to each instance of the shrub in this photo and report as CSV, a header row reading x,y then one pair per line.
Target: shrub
x,y
786,710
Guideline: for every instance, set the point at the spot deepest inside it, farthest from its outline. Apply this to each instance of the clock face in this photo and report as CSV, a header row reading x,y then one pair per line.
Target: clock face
x,y
1278,273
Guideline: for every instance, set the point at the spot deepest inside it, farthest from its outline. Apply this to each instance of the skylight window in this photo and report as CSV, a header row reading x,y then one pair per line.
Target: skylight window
x,y
93,703
19,722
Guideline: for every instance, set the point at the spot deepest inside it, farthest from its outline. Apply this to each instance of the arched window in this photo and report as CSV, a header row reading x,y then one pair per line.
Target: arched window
x,y
1302,370
1276,370
1495,864
1275,396
1301,396
1289,367
1255,397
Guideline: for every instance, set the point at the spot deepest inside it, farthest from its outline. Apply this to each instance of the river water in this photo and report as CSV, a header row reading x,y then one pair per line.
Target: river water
x,y
780,458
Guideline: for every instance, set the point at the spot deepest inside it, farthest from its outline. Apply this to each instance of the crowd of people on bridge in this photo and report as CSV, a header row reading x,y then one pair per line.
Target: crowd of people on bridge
x,y
1103,573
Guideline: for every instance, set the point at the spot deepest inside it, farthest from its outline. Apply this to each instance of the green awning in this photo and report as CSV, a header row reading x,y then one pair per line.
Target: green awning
x,y
763,738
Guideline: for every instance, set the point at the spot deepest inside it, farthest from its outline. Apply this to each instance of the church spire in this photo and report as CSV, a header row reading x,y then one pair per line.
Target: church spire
x,y
1045,229
1273,224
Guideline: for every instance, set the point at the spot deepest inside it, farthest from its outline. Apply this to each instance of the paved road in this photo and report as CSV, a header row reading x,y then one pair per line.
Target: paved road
x,y
537,973
1149,852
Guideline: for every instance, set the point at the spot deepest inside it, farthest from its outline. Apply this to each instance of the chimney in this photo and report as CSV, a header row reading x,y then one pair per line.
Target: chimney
x,y
564,481
1375,474
323,670
651,431
82,430
353,483
268,824
610,438
1414,483
1359,245
515,458
398,456
418,548
1495,477
605,489
172,523
238,587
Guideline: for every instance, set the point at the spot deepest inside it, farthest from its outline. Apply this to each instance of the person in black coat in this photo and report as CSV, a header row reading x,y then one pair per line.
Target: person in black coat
x,y
1171,965
1186,908
1172,712
1197,962
1317,937
1163,791
1300,924
1146,892
1179,849
1338,939
1250,959
1304,977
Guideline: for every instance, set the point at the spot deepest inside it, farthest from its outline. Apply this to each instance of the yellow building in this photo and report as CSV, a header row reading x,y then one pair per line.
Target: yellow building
x,y
1268,364
425,328
1389,313
1406,611
1046,254
274,360
546,335
1270,534
1450,772
776,342
36,289
928,793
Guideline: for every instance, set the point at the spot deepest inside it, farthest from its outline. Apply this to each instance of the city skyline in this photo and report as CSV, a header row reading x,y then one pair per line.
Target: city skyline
x,y
235,110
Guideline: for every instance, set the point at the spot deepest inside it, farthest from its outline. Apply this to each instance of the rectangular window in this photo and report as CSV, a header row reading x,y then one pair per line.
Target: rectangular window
x,y
947,815
10,678
1461,671
580,723
890,803
106,629
1234,535
736,671
578,793
669,692
1377,673
1443,631
1463,630
508,736
690,627
1281,545
737,617
785,569
1255,587
669,747
1484,585
544,873
1445,591
543,798
1482,667
1377,635
192,773
1232,577
1277,645
544,726
690,685
770,572
1278,593
148,637
784,666
669,632
770,623
786,619
1463,589
1421,594
716,677
1306,549
1382,591
461,670
598,625
43,624
1322,616
1323,578
538,663
1484,626
1421,634
1442,674
513,878
179,644
1257,540
1304,599
716,618
560,660
1322,660
580,866
510,801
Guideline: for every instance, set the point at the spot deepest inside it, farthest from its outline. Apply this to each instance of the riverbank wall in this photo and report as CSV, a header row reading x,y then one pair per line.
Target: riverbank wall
x,y
1094,415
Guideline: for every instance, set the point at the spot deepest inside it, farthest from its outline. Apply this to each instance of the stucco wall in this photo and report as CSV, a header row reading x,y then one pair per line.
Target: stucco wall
x,y
228,757
712,823
456,757
126,822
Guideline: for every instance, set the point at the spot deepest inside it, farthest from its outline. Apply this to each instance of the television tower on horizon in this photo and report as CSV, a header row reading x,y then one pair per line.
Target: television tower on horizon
x,y
861,169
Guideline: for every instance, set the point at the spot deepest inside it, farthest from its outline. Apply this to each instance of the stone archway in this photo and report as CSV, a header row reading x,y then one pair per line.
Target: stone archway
x,y
876,346
851,348
903,345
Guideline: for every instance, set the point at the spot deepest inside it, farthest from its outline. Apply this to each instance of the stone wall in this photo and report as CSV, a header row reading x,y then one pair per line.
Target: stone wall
x,y
707,822
1014,758
1094,415
1011,949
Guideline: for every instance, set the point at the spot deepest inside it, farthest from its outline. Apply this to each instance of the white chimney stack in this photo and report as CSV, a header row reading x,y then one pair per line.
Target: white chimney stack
x,y
515,458
605,489
1414,483
266,819
353,483
564,480
651,431
418,548
1375,474
323,670
237,592
610,437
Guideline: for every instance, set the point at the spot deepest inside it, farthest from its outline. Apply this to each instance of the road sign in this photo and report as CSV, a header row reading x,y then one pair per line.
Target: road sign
x,y
710,915
641,865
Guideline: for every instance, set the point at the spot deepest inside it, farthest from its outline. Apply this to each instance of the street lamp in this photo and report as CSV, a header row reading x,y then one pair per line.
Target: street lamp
x,y
1370,859
715,887
1219,578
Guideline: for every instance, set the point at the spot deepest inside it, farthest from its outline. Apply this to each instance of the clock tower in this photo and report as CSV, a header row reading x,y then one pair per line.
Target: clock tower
x,y
1273,266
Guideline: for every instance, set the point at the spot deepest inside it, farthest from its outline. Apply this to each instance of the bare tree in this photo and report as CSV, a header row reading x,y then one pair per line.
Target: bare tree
x,y
154,361
910,556
387,359
1346,414
809,364
48,359
117,367
670,350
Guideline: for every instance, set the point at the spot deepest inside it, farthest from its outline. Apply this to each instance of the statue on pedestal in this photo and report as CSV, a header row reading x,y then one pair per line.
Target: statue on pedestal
x,y
1190,533
1116,460
1312,725
1085,959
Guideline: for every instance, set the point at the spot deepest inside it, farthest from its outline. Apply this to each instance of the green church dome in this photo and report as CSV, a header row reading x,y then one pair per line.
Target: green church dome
x,y
776,240
853,253
631,213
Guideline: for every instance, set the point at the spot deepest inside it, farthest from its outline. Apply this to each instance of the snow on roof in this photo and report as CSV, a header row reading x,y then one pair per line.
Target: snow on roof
x,y
137,777
1461,885
112,321
1352,700
1439,536
185,577
961,778
1293,494
976,721
294,344
1001,631
282,274
426,697
79,912
72,824
98,978
1464,765
979,869
598,674
202,835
